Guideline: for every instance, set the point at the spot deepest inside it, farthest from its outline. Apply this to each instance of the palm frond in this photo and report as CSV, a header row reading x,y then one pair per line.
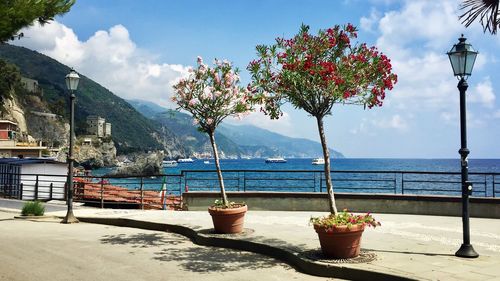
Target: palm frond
x,y
486,10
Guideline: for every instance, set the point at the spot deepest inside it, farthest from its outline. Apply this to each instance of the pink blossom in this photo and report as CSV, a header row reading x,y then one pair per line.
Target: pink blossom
x,y
193,102
210,121
199,60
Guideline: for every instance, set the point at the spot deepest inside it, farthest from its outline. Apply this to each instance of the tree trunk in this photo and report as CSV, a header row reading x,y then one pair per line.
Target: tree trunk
x,y
326,156
219,172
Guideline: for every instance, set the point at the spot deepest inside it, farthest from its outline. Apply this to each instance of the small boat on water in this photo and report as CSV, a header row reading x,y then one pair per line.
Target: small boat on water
x,y
206,162
318,161
185,160
169,163
275,160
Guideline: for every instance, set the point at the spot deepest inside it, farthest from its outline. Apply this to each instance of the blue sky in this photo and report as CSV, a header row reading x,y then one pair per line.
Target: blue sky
x,y
138,49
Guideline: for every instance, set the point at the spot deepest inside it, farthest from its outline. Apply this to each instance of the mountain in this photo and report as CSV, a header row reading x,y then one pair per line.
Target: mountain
x,y
252,138
194,140
131,131
147,108
232,140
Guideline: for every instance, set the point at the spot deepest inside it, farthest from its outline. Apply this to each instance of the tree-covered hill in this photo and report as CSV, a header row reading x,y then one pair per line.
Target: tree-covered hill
x,y
234,140
131,131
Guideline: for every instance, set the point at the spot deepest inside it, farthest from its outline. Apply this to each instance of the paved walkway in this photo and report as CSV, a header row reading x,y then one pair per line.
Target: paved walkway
x,y
405,246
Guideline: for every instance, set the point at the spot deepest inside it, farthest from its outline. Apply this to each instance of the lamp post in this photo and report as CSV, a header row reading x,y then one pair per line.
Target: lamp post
x,y
72,80
462,57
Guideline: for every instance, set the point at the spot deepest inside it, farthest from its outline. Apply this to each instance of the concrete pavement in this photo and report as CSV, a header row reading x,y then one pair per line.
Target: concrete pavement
x,y
404,247
48,250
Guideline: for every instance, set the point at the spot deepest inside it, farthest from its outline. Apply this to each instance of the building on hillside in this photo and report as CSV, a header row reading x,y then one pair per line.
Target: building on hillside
x,y
107,129
97,126
15,144
34,178
30,85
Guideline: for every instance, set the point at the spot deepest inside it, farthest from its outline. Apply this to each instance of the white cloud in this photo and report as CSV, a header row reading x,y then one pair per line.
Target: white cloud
x,y
283,125
416,39
483,93
366,23
369,127
497,114
395,122
110,58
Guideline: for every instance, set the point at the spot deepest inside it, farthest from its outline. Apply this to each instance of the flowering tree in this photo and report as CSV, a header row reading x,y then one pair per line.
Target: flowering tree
x,y
314,72
211,95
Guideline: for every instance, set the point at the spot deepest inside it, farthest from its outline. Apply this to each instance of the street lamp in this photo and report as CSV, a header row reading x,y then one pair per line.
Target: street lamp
x,y
72,80
462,57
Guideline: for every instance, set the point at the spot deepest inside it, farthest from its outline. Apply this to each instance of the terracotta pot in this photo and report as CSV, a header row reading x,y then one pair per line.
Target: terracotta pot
x,y
228,220
340,242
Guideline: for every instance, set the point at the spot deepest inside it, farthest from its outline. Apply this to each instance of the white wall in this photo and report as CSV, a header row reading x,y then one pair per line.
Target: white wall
x,y
48,173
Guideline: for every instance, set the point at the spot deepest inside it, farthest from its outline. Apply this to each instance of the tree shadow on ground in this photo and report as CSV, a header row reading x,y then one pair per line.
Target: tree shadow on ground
x,y
282,244
143,240
208,259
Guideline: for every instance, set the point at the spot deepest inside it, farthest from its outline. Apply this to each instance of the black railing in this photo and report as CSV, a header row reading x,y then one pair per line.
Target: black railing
x,y
164,190
392,182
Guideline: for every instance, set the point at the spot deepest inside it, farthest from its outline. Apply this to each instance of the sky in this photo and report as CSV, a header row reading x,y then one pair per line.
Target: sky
x,y
139,49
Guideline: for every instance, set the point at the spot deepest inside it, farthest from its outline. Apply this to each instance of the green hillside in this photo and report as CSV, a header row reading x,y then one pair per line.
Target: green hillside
x,y
245,140
131,131
196,141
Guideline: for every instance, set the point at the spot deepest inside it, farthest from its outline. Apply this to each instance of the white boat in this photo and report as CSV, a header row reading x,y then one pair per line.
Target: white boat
x,y
275,160
206,162
169,163
185,160
318,161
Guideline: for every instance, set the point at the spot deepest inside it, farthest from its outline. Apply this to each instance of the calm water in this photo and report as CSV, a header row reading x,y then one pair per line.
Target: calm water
x,y
371,182
424,165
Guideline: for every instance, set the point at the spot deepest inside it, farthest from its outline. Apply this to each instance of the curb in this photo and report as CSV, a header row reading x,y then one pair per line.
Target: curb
x,y
293,259
21,217
9,210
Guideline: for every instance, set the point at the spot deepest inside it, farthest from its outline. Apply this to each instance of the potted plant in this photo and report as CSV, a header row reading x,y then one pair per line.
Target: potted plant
x,y
211,94
340,234
315,72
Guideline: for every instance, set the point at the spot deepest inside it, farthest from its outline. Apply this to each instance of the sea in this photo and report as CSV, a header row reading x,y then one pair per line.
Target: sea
x,y
345,164
392,176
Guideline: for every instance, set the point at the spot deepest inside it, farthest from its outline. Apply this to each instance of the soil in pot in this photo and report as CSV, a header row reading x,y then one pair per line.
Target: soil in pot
x,y
340,242
228,220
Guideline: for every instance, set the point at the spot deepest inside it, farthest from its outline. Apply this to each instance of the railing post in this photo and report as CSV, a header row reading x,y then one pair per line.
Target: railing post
x,y
185,181
142,193
321,182
314,178
21,194
395,184
50,190
244,181
493,182
36,187
402,183
238,181
102,193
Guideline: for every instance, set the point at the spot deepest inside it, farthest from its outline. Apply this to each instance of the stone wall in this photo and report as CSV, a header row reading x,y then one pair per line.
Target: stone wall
x,y
392,204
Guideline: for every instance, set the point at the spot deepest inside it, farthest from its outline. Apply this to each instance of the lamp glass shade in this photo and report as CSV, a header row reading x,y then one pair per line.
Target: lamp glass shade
x,y
462,58
72,80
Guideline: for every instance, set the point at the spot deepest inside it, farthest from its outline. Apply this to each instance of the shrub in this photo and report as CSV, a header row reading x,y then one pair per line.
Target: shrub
x,y
33,208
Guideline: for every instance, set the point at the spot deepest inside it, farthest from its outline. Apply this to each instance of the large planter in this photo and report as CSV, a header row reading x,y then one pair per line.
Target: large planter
x,y
228,220
340,242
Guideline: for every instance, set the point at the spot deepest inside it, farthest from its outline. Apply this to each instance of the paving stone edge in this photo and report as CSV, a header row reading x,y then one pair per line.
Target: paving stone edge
x,y
291,258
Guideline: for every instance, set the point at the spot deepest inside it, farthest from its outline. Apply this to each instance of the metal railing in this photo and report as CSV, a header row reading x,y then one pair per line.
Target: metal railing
x,y
163,191
386,182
